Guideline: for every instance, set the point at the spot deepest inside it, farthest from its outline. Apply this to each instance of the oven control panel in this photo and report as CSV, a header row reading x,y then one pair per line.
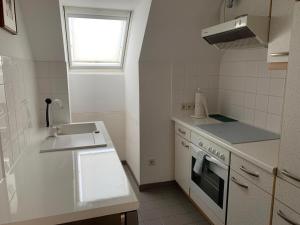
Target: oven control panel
x,y
209,146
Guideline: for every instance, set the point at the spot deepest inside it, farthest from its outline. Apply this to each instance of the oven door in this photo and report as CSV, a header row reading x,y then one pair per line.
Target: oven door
x,y
211,183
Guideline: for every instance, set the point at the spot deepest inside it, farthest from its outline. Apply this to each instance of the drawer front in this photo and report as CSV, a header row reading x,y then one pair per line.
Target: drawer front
x,y
183,131
282,215
288,194
182,163
253,173
247,203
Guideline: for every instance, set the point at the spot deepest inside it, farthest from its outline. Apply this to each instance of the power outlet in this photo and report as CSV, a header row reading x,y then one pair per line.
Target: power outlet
x,y
151,162
190,106
187,106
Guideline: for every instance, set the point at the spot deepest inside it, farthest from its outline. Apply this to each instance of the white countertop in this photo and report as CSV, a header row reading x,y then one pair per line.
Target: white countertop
x,y
60,187
264,154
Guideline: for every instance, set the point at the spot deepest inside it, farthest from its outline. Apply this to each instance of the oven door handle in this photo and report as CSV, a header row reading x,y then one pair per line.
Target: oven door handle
x,y
215,161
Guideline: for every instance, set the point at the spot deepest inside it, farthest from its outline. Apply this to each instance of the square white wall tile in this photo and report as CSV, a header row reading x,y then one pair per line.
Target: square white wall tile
x,y
244,72
274,123
261,103
275,105
260,119
263,86
277,87
250,100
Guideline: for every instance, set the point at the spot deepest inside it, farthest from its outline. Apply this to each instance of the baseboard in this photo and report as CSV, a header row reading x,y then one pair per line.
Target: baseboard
x,y
144,187
124,162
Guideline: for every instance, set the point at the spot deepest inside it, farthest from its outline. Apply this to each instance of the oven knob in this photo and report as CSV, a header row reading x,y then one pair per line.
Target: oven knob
x,y
214,151
222,156
218,154
210,149
200,144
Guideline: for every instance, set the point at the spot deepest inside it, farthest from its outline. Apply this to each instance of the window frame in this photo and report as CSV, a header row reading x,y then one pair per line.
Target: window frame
x,y
92,13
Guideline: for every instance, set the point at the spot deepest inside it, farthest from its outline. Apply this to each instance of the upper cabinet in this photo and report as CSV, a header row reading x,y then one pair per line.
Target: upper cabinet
x,y
289,157
280,30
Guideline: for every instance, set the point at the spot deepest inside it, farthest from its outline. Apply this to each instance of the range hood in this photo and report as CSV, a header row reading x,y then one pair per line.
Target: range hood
x,y
243,32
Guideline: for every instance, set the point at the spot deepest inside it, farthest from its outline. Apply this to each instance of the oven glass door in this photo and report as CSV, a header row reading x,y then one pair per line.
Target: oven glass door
x,y
210,181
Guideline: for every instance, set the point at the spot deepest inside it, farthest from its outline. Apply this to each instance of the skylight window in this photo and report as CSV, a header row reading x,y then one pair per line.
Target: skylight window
x,y
96,38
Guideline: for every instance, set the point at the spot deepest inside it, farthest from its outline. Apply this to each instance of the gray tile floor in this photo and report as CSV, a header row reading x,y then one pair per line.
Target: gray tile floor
x,y
166,206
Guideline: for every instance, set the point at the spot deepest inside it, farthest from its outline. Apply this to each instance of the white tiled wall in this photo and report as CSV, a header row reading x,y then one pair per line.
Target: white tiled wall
x,y
186,78
53,83
248,91
18,110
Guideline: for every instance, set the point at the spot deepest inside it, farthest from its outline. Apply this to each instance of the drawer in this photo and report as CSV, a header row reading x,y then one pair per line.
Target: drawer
x,y
256,175
282,215
288,194
247,203
183,131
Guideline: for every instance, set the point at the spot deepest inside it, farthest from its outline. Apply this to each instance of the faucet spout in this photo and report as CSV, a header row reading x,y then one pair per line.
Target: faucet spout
x,y
48,102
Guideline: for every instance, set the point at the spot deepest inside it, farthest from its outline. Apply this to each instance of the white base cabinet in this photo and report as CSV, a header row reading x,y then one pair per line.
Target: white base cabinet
x,y
283,215
247,204
182,163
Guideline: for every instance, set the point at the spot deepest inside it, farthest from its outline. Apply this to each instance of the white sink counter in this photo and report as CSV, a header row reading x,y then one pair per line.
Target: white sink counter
x,y
60,187
264,154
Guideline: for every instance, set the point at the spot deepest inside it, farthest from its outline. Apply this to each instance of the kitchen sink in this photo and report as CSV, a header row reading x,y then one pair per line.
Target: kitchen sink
x,y
74,136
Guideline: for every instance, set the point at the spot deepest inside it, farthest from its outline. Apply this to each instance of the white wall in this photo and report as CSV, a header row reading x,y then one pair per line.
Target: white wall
x,y
19,97
100,97
175,61
45,33
42,19
132,95
16,45
248,91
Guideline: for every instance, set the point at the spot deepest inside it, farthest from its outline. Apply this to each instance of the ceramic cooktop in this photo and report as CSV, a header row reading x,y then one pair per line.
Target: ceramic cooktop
x,y
238,133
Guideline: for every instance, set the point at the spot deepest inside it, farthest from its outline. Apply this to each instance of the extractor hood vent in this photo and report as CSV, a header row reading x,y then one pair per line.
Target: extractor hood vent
x,y
243,32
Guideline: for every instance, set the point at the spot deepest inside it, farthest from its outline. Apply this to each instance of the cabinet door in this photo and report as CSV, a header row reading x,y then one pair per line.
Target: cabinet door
x,y
289,157
284,216
280,30
182,163
1,169
247,204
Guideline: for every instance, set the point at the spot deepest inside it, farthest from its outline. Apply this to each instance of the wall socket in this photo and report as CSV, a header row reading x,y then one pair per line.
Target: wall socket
x,y
187,106
151,162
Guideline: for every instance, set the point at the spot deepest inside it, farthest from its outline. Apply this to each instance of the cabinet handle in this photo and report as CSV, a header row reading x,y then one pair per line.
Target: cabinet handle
x,y
292,176
184,145
251,173
181,131
285,217
239,183
280,54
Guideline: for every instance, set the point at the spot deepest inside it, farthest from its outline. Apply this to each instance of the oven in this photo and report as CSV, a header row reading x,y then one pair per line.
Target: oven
x,y
209,180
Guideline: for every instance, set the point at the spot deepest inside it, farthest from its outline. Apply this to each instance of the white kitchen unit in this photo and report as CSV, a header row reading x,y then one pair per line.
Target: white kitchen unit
x,y
182,163
289,156
249,188
280,30
251,177
287,204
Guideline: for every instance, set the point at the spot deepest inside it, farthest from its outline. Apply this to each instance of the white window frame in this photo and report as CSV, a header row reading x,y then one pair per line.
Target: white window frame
x,y
96,14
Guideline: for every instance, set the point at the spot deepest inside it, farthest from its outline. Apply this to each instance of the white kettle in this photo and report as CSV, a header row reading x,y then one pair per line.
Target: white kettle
x,y
201,110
